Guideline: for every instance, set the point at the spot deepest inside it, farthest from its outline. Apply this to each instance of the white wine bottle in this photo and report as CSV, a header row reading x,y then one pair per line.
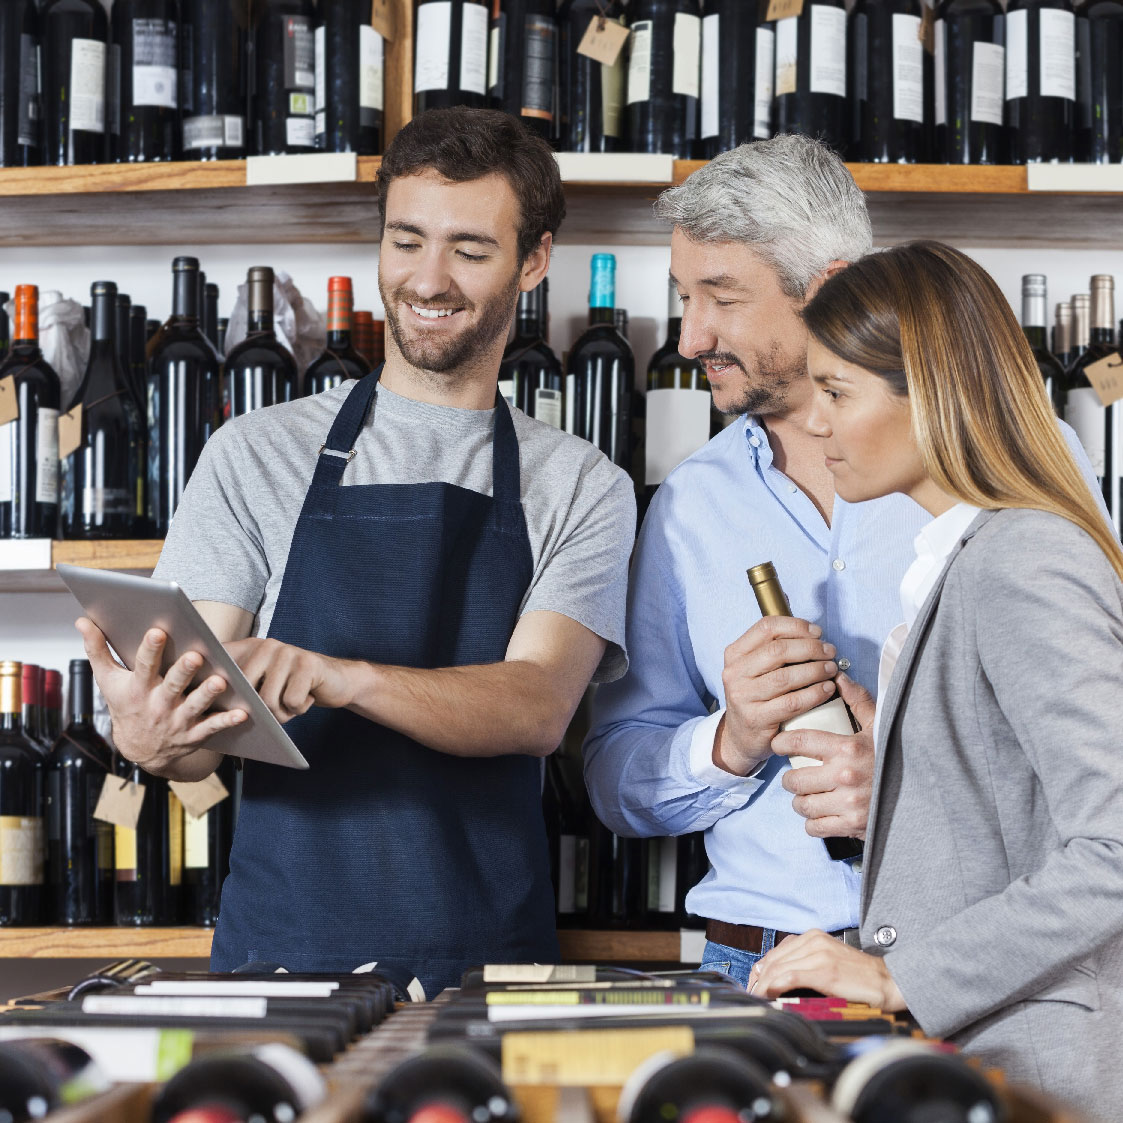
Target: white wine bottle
x,y
833,716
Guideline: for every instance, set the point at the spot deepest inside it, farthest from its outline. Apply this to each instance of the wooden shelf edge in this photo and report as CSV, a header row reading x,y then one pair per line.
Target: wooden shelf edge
x,y
118,553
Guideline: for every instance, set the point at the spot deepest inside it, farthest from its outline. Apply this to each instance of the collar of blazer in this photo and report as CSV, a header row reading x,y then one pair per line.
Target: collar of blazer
x,y
902,673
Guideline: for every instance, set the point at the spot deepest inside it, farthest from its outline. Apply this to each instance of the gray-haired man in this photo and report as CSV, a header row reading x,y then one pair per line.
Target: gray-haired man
x,y
689,740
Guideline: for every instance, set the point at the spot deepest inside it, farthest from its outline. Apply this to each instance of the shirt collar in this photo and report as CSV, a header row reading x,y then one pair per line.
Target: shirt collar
x,y
937,540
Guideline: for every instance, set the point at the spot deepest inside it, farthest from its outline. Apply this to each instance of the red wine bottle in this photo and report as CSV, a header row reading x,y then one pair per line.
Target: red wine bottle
x,y
141,856
103,479
21,810
74,60
51,684
29,464
79,847
1099,82
1040,80
31,708
144,73
530,376
260,371
523,62
206,854
213,80
284,78
590,93
339,361
450,61
738,71
20,115
350,79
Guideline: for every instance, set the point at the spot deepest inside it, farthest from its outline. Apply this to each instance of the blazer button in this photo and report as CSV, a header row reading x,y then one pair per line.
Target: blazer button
x,y
885,936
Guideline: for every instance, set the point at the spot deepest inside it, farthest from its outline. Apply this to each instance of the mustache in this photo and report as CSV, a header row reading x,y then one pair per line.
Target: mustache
x,y
447,300
720,357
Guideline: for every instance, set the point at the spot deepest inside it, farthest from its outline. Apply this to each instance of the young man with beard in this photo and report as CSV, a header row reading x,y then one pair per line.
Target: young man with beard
x,y
419,581
690,739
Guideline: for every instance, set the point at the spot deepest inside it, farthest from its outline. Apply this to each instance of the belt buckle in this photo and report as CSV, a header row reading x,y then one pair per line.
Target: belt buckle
x,y
348,456
851,937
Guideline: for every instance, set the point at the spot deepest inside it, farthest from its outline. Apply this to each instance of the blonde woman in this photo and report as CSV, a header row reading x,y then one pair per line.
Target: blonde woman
x,y
992,903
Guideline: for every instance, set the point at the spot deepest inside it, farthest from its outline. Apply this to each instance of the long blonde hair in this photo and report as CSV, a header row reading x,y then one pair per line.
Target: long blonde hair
x,y
936,327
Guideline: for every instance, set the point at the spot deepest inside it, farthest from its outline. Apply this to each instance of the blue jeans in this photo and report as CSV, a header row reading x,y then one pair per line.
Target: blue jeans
x,y
733,961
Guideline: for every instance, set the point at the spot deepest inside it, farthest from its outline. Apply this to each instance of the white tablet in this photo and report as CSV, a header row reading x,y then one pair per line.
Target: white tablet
x,y
124,607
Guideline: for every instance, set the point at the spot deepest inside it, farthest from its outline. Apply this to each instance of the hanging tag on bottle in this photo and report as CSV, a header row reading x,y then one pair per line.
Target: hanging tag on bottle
x,y
603,40
783,9
69,432
120,802
926,33
9,402
199,797
382,18
1106,378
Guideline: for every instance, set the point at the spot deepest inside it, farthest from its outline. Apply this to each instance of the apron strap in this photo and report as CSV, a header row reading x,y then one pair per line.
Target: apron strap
x,y
505,476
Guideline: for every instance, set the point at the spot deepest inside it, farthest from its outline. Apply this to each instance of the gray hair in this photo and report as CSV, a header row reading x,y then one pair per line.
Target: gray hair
x,y
789,198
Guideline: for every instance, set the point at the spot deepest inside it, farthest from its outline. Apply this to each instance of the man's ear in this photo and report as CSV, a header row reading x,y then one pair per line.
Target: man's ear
x,y
537,264
820,279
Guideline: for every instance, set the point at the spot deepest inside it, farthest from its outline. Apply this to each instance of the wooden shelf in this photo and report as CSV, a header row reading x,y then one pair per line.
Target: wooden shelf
x,y
21,571
150,943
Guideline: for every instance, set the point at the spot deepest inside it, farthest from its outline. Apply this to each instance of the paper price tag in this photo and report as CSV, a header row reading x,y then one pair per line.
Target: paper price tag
x,y
783,9
926,33
69,432
9,403
120,802
603,40
382,18
199,797
1106,378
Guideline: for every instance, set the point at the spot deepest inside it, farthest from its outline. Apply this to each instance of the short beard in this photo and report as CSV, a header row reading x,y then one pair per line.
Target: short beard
x,y
766,392
450,355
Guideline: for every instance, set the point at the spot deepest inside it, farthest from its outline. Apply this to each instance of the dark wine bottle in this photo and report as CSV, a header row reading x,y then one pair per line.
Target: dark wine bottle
x,y
103,479
691,865
260,371
1040,81
450,62
124,340
590,93
886,69
811,74
210,313
1099,82
75,49
970,88
43,1075
138,348
530,376
617,879
206,854
284,78
144,76
213,79
339,361
220,335
1062,336
184,398
738,70
567,833
600,372
445,1082
523,62
141,856
664,74
21,810
31,707
52,705
79,847
270,1083
1095,425
350,78
5,326
1034,303
151,327
20,125
29,465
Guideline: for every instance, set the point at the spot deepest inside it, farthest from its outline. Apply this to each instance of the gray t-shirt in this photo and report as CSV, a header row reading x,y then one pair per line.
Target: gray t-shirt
x,y
230,538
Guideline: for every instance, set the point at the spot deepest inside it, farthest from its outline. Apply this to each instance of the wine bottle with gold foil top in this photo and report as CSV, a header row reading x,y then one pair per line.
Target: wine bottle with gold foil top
x,y
21,803
833,716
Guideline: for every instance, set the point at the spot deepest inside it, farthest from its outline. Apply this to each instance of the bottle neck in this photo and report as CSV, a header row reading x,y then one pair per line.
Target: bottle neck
x,y
81,705
103,322
261,321
1035,336
11,723
26,332
185,295
602,315
1102,336
339,341
674,330
527,327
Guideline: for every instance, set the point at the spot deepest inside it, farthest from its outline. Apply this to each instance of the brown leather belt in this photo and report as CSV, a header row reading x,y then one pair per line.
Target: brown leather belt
x,y
750,937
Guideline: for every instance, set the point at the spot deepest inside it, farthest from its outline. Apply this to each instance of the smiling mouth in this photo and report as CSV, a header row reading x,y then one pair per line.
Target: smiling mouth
x,y
433,314
718,369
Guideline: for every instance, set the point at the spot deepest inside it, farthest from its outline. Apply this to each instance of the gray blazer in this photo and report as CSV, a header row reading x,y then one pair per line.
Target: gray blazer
x,y
993,876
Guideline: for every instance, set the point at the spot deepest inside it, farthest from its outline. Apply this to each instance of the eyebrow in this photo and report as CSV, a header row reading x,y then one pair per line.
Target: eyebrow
x,y
459,236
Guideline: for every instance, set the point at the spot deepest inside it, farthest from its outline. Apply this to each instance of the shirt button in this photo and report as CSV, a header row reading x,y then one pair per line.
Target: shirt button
x,y
844,664
838,565
792,489
755,442
886,936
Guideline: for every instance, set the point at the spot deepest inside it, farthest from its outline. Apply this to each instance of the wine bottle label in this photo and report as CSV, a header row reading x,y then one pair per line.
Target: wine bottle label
x,y
570,403
496,71
567,875
1017,54
507,390
124,853
434,40
688,43
548,407
21,850
765,75
154,63
908,69
175,840
678,425
104,833
710,85
371,70
988,83
7,443
939,35
1085,413
87,85
28,91
300,131
1058,53
828,50
299,53
473,49
639,63
113,90
830,717
103,502
196,843
46,457
321,82
213,132
787,56
612,80
539,49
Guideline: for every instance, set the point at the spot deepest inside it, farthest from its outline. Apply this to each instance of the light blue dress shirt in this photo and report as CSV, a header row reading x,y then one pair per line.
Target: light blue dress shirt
x,y
648,761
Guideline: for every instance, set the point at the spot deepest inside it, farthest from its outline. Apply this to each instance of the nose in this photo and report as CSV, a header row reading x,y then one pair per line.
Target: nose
x,y
817,424
696,337
430,277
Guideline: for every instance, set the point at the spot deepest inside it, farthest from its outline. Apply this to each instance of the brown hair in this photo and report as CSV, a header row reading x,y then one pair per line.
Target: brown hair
x,y
936,327
463,144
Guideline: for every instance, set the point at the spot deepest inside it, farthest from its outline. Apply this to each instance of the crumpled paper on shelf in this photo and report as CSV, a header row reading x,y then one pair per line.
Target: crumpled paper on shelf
x,y
297,323
64,339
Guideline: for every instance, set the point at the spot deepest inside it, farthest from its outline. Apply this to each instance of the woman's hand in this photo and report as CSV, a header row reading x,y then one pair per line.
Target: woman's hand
x,y
823,963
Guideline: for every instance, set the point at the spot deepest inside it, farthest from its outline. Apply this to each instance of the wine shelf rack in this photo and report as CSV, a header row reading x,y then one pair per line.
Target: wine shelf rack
x,y
28,566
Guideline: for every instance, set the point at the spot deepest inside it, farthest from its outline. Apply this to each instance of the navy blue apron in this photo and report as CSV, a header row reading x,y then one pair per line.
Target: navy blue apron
x,y
384,849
